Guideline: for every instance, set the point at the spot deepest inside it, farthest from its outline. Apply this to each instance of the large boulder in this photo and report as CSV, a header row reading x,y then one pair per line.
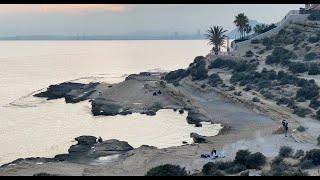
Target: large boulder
x,y
84,144
77,149
198,138
102,107
86,140
109,147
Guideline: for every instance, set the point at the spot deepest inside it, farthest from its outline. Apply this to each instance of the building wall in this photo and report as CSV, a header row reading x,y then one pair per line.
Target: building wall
x,y
313,7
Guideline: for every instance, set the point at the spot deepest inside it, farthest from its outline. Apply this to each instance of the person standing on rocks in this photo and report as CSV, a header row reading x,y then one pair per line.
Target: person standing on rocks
x,y
100,140
286,129
283,124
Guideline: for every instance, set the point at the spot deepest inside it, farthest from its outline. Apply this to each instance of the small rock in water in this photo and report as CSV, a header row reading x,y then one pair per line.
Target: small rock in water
x,y
181,111
155,93
174,110
184,142
109,86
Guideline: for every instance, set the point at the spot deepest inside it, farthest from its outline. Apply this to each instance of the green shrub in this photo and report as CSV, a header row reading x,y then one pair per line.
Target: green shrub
x,y
314,69
267,41
314,156
298,67
255,99
211,169
307,48
222,63
286,151
306,164
313,39
314,17
301,129
255,161
314,103
283,101
280,55
302,112
310,56
247,88
44,174
199,73
203,86
296,31
309,91
215,80
251,161
241,156
220,165
279,169
255,41
299,153
269,47
232,88
198,59
208,168
267,95
176,75
318,115
277,160
271,59
236,169
167,170
249,53
216,173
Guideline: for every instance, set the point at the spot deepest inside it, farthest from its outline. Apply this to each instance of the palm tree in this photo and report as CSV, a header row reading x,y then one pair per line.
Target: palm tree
x,y
241,21
247,29
216,37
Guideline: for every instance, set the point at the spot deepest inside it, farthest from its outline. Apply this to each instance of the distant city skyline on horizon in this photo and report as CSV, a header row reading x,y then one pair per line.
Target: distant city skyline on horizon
x,y
122,19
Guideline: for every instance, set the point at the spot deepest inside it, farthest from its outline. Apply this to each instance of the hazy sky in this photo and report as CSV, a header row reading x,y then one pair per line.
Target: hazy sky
x,y
107,19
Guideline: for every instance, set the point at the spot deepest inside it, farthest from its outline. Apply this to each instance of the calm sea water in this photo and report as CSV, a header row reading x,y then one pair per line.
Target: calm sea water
x,y
31,127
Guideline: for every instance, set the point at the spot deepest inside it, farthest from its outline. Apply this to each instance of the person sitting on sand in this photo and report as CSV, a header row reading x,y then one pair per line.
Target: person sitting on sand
x,y
214,151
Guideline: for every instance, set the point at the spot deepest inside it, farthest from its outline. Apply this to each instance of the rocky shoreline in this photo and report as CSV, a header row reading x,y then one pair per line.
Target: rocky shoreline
x,y
85,151
147,93
104,105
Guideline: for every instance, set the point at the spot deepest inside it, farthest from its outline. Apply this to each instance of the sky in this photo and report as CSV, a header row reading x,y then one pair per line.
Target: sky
x,y
116,19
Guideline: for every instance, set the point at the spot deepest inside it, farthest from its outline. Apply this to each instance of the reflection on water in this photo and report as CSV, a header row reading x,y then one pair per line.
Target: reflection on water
x,y
31,127
50,135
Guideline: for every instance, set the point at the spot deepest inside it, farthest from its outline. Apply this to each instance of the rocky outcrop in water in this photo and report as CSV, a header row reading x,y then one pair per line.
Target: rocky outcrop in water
x,y
87,148
60,90
72,92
